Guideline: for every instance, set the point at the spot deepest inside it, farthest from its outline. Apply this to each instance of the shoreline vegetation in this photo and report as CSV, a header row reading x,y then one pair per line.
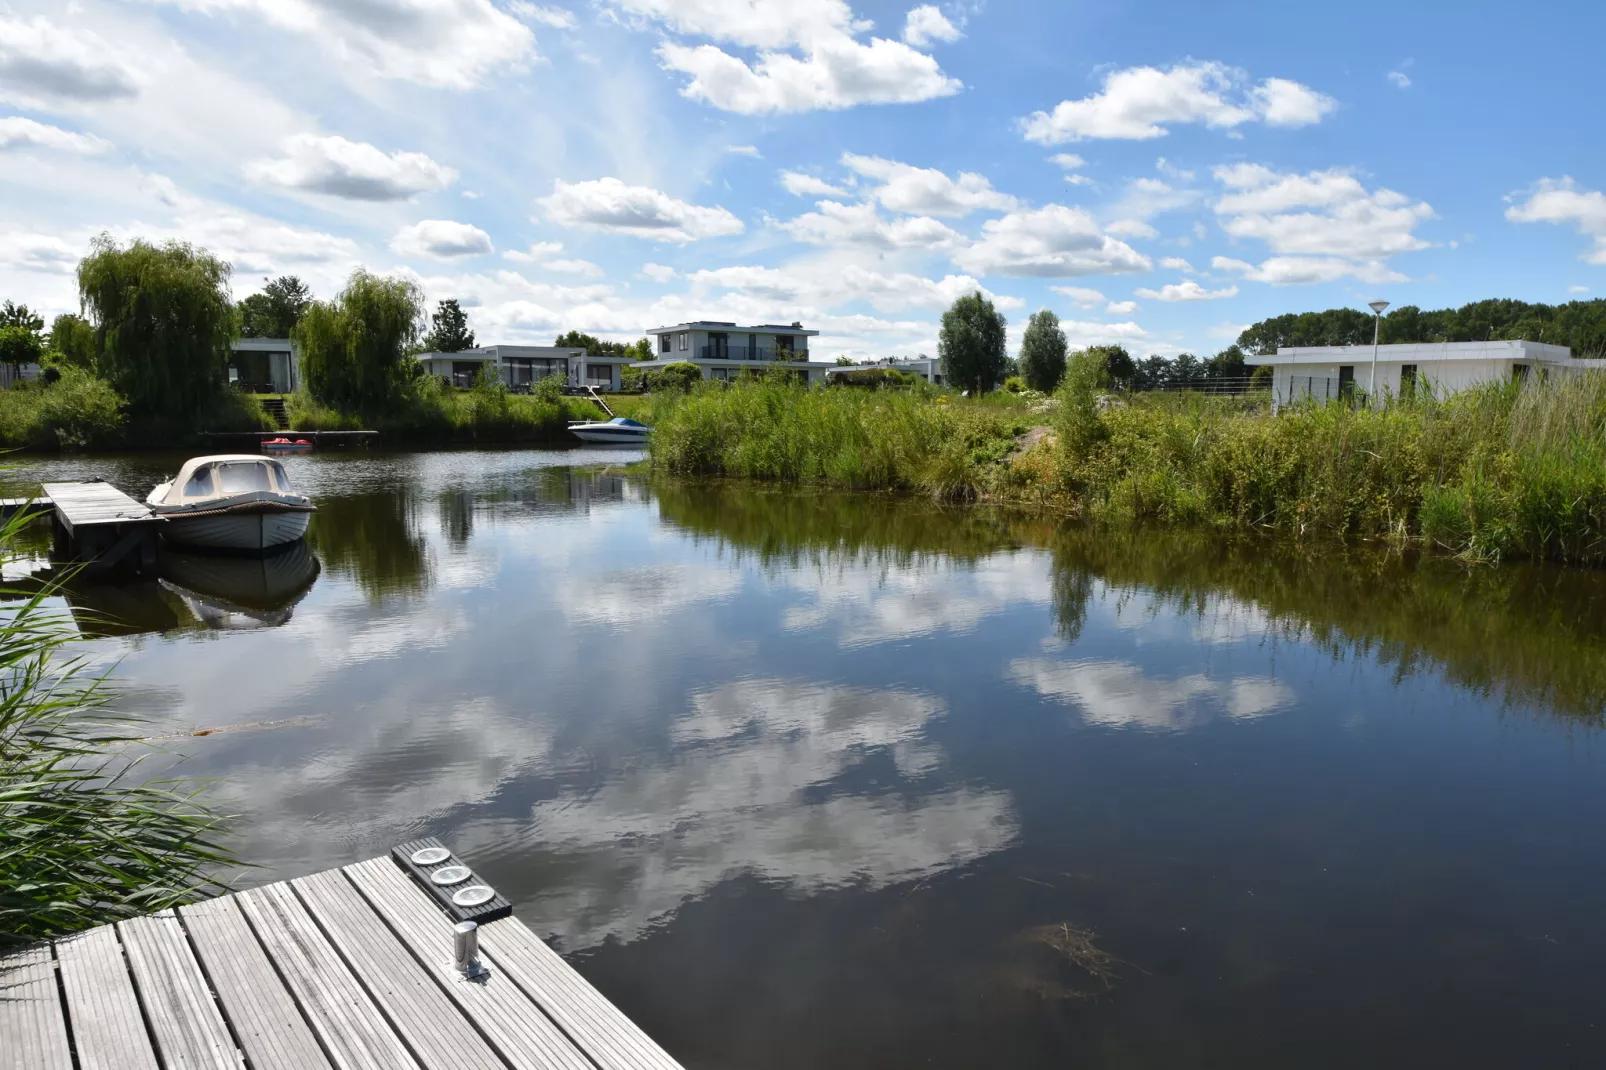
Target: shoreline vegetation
x,y
83,841
1495,472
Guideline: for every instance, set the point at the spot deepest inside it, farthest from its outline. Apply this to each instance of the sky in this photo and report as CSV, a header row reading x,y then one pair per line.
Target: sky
x,y
1159,175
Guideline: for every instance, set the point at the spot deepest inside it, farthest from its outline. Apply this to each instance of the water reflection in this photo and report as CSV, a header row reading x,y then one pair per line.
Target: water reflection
x,y
762,761
234,592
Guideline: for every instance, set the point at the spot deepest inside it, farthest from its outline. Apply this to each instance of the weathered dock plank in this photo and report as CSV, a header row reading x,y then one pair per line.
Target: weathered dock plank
x,y
348,968
423,1014
81,504
108,1029
518,1027
352,1028
33,1028
189,1029
265,1019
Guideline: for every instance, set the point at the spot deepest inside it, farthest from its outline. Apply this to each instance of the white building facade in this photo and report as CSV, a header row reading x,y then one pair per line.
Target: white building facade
x,y
520,367
725,350
927,368
1302,372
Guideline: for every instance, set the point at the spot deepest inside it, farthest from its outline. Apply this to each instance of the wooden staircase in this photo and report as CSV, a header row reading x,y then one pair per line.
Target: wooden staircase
x,y
274,407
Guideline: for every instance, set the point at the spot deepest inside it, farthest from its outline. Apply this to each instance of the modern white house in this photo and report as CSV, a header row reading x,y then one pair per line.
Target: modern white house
x,y
264,365
724,350
519,367
1300,372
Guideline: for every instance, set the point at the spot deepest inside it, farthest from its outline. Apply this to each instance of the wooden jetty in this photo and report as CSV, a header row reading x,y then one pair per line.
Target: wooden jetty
x,y
353,967
98,524
317,438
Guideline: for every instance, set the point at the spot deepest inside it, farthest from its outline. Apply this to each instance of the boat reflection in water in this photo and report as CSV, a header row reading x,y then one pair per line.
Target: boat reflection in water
x,y
230,593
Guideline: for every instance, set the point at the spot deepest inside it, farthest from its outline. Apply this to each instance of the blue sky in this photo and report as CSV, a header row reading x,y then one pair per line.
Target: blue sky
x,y
1157,174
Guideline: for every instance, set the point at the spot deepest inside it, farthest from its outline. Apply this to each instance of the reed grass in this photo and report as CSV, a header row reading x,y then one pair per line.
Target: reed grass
x,y
433,414
83,841
1502,470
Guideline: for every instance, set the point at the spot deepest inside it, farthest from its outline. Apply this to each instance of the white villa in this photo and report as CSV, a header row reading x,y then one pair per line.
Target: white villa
x,y
725,350
1299,372
521,366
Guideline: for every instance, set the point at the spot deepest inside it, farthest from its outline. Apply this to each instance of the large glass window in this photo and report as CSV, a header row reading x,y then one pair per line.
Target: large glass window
x,y
239,477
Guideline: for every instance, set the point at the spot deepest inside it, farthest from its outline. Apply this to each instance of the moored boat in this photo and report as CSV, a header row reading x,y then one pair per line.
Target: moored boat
x,y
618,431
285,445
231,501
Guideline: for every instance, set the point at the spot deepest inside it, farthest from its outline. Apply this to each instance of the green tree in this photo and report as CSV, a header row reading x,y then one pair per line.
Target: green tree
x,y
15,315
72,341
1579,325
450,333
354,348
638,350
971,344
1186,370
1042,352
163,320
275,311
1119,368
19,346
1227,364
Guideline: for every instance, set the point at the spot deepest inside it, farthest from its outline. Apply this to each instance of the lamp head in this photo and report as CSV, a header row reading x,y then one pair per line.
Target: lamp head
x,y
1378,306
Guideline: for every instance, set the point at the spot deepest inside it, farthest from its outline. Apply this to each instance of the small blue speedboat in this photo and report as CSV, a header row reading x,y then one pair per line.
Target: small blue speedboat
x,y
618,431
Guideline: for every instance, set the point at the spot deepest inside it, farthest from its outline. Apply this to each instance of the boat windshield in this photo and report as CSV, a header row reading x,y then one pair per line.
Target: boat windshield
x,y
241,476
280,476
200,483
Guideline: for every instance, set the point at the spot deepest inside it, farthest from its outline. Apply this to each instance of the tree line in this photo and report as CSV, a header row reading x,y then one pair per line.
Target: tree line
x,y
1579,325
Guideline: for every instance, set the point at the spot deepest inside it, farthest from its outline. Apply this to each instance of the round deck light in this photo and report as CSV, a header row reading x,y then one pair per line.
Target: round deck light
x,y
430,856
473,895
450,875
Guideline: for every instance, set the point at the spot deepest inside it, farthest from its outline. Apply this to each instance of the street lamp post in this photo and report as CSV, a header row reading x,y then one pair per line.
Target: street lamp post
x,y
1377,308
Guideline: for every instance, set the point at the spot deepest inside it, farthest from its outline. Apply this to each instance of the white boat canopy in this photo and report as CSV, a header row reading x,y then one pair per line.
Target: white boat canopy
x,y
224,475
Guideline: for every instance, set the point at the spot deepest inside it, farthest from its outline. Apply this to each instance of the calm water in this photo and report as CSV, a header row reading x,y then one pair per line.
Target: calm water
x,y
810,781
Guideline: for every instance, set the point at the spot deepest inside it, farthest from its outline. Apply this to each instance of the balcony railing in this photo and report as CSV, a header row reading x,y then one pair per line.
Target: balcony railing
x,y
749,353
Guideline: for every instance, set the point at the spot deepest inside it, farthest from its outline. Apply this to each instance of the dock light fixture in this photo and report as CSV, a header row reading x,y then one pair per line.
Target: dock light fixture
x,y
1377,308
466,949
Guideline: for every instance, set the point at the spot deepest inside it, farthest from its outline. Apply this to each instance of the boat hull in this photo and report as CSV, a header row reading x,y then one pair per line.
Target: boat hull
x,y
611,434
254,531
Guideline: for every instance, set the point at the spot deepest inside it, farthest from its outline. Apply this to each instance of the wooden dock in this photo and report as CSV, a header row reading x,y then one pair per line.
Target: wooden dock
x,y
100,525
351,967
336,438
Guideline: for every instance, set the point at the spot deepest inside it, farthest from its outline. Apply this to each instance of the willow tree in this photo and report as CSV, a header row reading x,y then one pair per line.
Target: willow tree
x,y
163,319
354,349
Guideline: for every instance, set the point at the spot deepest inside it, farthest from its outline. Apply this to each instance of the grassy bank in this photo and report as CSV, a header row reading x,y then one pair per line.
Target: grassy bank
x,y
80,411
1499,471
434,414
82,840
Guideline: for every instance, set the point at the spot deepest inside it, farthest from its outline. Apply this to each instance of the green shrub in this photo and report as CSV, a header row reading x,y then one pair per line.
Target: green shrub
x,y
1015,384
77,411
875,378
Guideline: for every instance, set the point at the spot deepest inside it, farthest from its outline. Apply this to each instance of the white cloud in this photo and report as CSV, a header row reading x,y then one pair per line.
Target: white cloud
x,y
1187,290
1049,242
1576,290
1131,228
556,17
1176,263
1145,198
859,224
47,253
1083,296
1299,270
659,272
441,239
799,184
745,150
1323,225
1121,308
1082,333
608,204
44,64
544,254
17,132
1069,161
351,169
827,284
1559,200
451,44
809,56
1400,79
925,25
926,191
834,74
1137,103
1119,694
